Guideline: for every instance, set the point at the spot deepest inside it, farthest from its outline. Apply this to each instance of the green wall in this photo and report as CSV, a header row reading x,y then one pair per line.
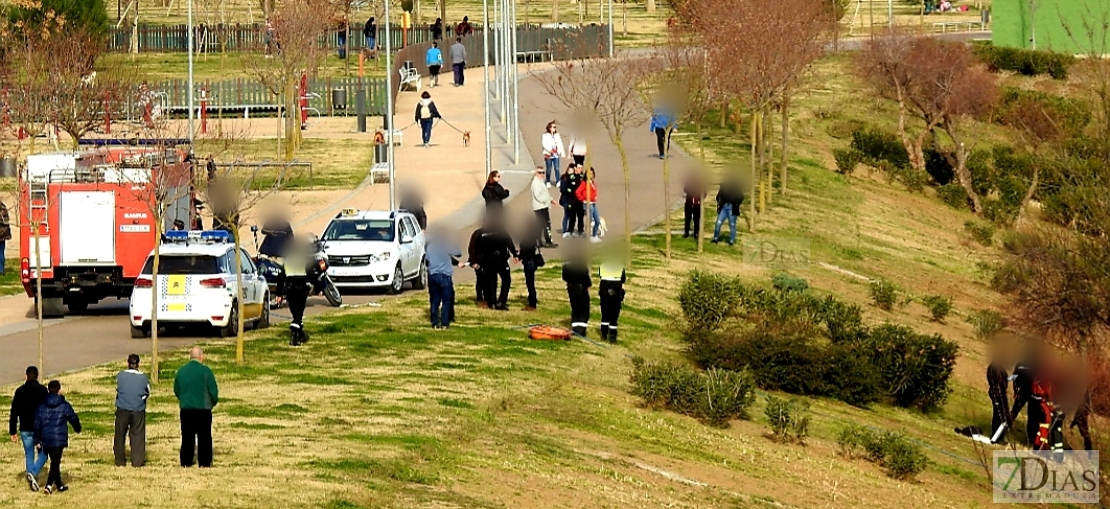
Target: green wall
x,y
1012,24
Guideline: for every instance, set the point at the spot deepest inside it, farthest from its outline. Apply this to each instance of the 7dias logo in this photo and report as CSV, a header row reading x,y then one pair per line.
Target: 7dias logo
x,y
775,251
1038,477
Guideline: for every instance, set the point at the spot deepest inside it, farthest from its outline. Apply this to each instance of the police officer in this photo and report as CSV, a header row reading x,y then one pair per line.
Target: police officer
x,y
576,274
612,276
299,267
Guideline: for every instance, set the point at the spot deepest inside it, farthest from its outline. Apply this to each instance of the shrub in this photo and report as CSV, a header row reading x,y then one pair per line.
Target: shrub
x,y
939,306
902,458
714,397
849,375
1025,61
789,283
914,180
846,160
707,299
914,368
878,146
982,232
884,294
843,129
954,195
986,322
843,321
938,167
788,419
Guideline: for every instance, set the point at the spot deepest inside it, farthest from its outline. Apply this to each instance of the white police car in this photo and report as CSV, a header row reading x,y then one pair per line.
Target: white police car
x,y
197,285
369,249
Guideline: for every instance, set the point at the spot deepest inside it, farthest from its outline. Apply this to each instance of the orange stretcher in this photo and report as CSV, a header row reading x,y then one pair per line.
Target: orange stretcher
x,y
549,333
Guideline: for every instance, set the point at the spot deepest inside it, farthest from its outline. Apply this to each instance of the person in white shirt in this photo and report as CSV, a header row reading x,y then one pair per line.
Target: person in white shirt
x,y
541,206
578,149
552,145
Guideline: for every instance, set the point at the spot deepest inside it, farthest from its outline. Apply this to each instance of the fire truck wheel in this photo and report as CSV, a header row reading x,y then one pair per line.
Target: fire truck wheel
x,y
232,328
138,332
77,306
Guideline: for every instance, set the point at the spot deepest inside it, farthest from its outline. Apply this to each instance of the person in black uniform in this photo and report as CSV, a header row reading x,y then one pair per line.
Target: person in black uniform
x,y
611,291
998,382
412,202
576,274
1023,376
574,213
299,267
474,262
531,259
494,249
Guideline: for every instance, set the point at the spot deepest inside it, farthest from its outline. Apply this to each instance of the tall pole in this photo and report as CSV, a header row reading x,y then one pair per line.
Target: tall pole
x,y
506,103
388,118
485,82
610,28
189,42
516,87
890,14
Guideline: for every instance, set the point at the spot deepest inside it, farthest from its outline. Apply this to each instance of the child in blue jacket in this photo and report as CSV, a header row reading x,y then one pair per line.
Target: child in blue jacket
x,y
52,433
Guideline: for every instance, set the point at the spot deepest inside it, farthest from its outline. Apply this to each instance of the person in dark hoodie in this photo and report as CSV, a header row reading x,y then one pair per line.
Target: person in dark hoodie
x,y
473,261
574,211
494,194
21,423
494,249
426,115
52,423
531,259
998,381
729,200
576,274
412,202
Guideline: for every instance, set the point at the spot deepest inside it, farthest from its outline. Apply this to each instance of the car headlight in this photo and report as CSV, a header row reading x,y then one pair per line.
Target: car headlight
x,y
381,257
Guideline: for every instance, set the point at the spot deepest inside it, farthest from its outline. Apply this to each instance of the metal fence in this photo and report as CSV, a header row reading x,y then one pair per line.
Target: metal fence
x,y
251,37
245,96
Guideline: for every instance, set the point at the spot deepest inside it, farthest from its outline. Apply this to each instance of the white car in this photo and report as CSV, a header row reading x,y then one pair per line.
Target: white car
x,y
375,249
197,285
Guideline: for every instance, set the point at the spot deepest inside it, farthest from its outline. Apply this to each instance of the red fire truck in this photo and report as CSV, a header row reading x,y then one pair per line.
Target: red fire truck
x,y
93,214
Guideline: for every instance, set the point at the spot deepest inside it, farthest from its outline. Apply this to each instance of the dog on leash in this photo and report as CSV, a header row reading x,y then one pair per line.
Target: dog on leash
x,y
466,138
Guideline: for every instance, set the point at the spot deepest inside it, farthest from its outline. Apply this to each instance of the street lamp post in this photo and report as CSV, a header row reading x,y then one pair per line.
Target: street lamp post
x,y
387,119
485,82
516,86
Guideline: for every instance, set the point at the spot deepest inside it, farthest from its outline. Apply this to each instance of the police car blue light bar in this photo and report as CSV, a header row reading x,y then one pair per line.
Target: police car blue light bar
x,y
215,236
177,235
198,236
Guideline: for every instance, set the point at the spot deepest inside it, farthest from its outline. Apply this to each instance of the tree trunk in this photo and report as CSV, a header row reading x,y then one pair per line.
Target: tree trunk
x,y
754,128
667,192
700,226
158,225
554,11
651,5
239,346
624,18
292,120
627,201
768,135
1028,194
785,141
963,175
724,112
761,156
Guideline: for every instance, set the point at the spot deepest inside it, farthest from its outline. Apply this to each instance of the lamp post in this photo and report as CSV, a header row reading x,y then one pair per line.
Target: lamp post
x,y
485,82
388,117
189,42
516,86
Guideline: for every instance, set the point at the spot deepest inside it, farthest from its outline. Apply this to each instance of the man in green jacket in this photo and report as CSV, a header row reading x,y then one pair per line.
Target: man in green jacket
x,y
197,393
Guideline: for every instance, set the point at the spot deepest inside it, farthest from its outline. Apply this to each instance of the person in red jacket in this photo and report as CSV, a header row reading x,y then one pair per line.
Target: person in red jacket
x,y
587,193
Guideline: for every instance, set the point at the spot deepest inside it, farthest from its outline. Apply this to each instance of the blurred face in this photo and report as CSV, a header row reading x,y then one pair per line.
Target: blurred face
x,y
539,174
497,178
552,129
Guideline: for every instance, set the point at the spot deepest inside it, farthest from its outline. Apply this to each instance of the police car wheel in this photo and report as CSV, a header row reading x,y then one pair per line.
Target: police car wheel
x,y
421,280
398,281
138,332
232,327
264,320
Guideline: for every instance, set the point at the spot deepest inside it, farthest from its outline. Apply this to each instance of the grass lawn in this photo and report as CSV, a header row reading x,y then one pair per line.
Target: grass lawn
x,y
218,67
336,163
10,282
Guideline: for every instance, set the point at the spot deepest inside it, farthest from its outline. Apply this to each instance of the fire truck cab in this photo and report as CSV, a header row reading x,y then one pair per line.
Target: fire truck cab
x,y
87,220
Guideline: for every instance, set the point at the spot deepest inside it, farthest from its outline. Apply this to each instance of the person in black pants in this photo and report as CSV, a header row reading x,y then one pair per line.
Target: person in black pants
x,y
299,269
695,193
611,291
998,381
494,249
52,421
197,394
473,261
531,259
574,213
576,274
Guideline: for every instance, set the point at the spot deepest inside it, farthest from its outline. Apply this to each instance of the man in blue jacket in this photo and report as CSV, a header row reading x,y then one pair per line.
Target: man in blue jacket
x,y
443,256
663,124
21,423
52,423
434,60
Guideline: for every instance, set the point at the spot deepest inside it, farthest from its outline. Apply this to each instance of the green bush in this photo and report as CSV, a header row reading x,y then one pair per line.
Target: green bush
x,y
843,129
878,146
1025,61
915,368
789,283
902,458
954,195
846,160
985,322
982,232
788,419
939,306
914,180
843,321
884,294
707,299
714,397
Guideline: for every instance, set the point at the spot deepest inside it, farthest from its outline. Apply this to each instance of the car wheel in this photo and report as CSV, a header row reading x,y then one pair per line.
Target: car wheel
x,y
138,332
421,281
264,320
398,281
232,328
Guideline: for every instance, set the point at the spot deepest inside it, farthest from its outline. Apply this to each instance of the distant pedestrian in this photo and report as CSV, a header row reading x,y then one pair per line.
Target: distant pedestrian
x,y
494,194
370,32
552,145
458,60
210,167
531,259
5,234
197,393
495,247
541,207
587,194
695,193
464,29
426,114
132,391
729,200
577,149
413,203
437,30
21,423
52,422
573,211
576,275
268,37
663,125
434,60
198,221
443,256
341,37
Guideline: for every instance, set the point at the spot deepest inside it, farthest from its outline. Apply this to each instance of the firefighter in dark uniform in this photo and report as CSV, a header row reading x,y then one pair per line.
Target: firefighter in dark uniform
x,y
998,383
1023,394
576,274
299,266
611,290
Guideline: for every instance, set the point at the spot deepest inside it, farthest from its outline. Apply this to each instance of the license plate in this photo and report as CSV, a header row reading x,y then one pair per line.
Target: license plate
x,y
178,306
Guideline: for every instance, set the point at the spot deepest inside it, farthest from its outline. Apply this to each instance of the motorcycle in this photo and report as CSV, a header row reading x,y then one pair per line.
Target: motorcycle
x,y
319,281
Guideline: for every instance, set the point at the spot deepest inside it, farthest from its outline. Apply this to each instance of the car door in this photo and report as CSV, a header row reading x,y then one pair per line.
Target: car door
x,y
252,294
407,233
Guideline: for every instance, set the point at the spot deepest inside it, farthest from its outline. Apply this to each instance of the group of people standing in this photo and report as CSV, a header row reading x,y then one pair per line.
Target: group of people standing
x,y
40,419
577,187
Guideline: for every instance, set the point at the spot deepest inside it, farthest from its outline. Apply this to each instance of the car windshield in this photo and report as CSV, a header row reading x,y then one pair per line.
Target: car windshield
x,y
360,229
183,264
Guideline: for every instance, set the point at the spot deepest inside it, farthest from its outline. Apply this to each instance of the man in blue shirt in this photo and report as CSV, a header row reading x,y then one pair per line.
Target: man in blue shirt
x,y
663,124
434,61
443,255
